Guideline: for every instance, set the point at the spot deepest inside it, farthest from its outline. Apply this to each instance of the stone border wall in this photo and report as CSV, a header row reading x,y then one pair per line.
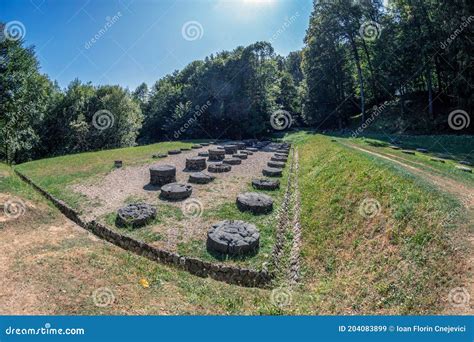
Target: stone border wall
x,y
283,221
294,267
229,274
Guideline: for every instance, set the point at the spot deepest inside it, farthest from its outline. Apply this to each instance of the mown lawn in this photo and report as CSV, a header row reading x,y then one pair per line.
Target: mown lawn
x,y
401,261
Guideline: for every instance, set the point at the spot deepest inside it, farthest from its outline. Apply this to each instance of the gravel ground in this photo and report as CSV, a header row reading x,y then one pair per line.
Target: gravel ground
x,y
111,192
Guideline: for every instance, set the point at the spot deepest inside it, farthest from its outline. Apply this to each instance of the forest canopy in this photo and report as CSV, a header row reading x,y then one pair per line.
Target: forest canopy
x,y
397,65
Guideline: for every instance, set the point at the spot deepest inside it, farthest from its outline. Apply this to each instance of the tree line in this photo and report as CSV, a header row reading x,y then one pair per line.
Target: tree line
x,y
408,58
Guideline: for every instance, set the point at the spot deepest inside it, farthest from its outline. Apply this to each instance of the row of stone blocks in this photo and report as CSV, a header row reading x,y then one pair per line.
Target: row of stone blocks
x,y
225,273
238,238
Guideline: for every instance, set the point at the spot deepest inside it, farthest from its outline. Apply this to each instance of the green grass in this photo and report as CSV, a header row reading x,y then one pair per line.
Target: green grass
x,y
401,261
459,148
353,262
55,174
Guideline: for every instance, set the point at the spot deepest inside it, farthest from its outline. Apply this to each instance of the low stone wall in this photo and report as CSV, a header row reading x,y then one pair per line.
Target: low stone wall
x,y
225,273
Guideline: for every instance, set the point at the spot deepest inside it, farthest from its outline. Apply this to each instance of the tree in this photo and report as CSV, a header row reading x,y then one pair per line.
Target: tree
x,y
25,97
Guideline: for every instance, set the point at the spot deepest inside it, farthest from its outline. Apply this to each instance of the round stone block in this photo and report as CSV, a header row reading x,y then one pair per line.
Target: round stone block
x,y
284,150
230,149
159,155
135,215
232,161
162,174
240,145
252,149
176,191
233,238
265,184
279,159
272,172
220,147
195,147
174,152
196,163
463,168
240,155
281,155
216,155
203,154
204,144
118,163
278,165
219,168
200,178
254,202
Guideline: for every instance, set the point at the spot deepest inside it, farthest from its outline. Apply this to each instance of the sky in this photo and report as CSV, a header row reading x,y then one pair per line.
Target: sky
x,y
128,42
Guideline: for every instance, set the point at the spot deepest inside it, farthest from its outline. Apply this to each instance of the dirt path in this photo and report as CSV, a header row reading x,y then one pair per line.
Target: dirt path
x,y
458,189
465,194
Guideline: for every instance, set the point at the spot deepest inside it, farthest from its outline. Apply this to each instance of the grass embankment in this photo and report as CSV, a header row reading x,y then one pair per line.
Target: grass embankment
x,y
402,260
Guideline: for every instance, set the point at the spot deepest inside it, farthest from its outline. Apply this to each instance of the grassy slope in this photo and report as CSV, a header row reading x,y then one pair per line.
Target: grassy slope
x,y
401,261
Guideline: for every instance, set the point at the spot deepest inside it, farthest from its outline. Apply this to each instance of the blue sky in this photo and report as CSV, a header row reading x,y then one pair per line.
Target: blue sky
x,y
143,40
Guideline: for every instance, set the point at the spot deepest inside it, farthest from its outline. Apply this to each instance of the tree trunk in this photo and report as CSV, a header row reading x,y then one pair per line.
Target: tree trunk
x,y
430,91
371,70
359,73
